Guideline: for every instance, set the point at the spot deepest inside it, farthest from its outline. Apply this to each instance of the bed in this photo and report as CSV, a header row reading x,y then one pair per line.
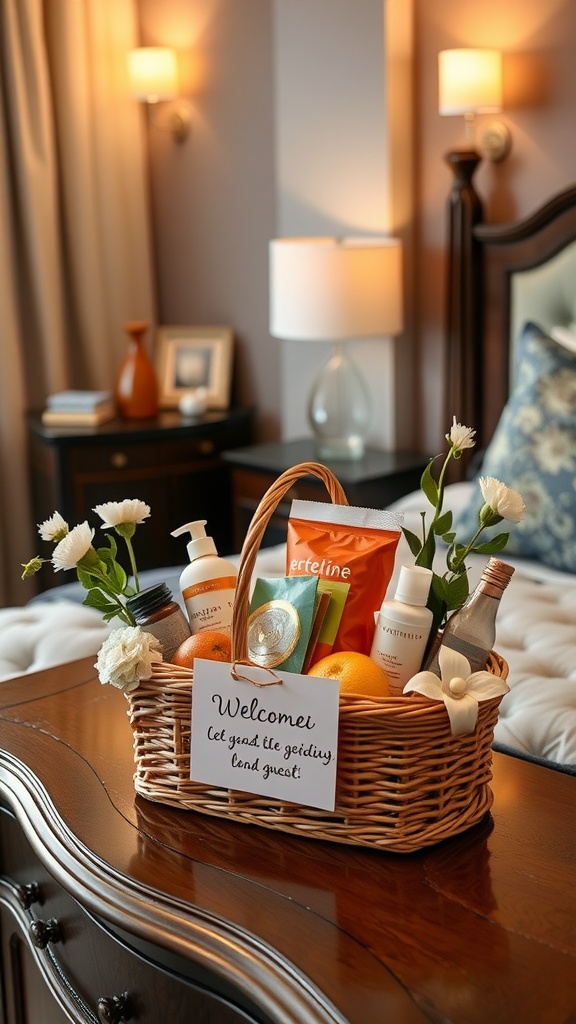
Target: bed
x,y
520,288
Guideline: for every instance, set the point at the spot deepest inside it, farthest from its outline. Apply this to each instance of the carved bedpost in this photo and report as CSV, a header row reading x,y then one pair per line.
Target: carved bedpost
x,y
463,395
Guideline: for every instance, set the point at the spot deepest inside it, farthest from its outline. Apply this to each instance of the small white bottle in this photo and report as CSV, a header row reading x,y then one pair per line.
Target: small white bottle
x,y
403,627
208,584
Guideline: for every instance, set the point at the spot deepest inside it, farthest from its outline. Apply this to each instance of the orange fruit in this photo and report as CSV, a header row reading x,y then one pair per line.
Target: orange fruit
x,y
357,673
209,643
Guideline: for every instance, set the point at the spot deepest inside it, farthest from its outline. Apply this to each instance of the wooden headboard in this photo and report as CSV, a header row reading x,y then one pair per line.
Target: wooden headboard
x,y
518,272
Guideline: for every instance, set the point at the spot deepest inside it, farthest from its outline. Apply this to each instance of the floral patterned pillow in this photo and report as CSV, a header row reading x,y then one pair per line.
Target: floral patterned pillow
x,y
533,450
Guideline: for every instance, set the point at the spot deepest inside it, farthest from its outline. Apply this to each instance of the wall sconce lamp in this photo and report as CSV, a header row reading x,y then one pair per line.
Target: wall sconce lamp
x,y
470,83
329,289
153,74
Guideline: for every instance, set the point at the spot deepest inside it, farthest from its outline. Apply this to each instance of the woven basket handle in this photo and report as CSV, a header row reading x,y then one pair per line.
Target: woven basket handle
x,y
254,536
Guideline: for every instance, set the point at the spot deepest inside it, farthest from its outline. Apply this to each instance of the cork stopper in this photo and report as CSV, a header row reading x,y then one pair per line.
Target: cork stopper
x,y
497,573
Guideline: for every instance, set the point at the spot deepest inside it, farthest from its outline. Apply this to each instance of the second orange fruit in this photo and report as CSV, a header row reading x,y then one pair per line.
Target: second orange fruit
x,y
356,673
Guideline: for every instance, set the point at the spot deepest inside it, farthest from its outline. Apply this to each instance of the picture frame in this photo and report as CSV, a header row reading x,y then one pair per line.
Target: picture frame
x,y
191,357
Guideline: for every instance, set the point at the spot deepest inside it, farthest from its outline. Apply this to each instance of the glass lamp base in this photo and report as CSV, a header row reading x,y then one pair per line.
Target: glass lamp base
x,y
339,409
338,449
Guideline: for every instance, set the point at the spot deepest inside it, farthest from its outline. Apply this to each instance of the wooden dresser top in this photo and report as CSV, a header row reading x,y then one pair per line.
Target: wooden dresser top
x,y
479,928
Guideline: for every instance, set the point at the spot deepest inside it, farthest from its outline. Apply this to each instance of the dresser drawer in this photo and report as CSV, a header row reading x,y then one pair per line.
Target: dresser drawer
x,y
89,974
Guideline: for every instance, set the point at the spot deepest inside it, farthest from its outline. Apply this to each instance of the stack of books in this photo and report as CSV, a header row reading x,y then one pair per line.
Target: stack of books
x,y
78,408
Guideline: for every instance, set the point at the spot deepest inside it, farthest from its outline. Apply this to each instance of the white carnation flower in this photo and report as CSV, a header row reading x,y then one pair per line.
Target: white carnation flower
x,y
461,437
119,513
126,657
502,500
55,528
73,547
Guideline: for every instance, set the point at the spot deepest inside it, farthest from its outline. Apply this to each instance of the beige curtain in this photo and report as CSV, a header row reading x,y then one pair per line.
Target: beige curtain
x,y
75,254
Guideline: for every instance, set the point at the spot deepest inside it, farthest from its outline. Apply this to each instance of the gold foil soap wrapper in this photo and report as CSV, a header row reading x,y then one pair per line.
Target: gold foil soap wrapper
x,y
280,621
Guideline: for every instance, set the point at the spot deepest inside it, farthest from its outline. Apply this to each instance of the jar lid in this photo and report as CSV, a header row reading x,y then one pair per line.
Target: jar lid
x,y
149,600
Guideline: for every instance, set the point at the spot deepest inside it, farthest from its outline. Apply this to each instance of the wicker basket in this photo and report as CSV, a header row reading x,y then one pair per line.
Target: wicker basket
x,y
403,781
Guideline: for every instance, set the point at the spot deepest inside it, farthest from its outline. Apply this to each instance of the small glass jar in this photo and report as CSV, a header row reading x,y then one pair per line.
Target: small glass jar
x,y
156,613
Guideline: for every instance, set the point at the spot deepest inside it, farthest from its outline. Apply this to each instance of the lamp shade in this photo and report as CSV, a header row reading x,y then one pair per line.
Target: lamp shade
x,y
328,289
153,72
469,81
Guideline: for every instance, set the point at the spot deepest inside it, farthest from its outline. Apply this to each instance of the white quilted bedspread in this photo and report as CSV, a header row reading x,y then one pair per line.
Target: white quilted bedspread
x,y
536,634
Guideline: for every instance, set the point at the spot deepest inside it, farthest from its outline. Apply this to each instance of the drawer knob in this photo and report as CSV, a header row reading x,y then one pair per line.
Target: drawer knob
x,y
119,460
43,932
28,894
114,1009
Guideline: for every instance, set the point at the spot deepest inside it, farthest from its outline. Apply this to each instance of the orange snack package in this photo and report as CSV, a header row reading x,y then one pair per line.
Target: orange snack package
x,y
349,545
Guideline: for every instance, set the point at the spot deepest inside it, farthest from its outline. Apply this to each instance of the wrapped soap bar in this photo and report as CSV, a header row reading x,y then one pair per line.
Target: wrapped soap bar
x,y
280,621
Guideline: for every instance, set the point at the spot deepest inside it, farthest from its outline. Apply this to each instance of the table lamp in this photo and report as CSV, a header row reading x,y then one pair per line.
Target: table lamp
x,y
330,289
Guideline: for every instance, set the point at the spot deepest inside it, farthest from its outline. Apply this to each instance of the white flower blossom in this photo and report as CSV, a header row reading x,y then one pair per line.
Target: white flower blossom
x,y
126,657
460,691
119,513
73,547
461,437
502,500
55,528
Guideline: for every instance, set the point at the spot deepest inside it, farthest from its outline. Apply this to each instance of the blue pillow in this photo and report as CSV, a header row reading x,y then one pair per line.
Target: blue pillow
x,y
533,451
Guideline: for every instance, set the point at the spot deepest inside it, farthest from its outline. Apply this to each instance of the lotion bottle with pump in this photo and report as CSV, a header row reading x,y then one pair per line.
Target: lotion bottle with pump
x,y
403,627
208,584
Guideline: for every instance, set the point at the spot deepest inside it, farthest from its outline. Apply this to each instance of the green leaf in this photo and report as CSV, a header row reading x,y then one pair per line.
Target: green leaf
x,y
429,485
454,556
425,556
119,577
112,570
414,542
121,614
113,546
443,524
449,538
85,578
436,603
457,591
95,598
494,545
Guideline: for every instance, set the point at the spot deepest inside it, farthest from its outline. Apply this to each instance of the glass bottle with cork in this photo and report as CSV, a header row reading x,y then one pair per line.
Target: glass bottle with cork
x,y
472,629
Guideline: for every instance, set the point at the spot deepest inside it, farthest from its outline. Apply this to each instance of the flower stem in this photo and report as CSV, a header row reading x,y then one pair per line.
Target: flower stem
x,y
441,476
132,563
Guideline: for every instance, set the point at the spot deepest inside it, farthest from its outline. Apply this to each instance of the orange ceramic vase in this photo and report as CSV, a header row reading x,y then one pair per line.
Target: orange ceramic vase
x,y
136,385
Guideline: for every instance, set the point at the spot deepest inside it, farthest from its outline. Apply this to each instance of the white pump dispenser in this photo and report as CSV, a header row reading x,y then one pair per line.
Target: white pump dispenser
x,y
208,584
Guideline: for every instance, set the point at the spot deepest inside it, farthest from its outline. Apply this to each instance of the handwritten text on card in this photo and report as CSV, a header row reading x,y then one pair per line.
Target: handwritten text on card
x,y
278,741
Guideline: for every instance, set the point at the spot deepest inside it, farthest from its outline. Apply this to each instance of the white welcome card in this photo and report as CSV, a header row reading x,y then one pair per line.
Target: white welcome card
x,y
277,740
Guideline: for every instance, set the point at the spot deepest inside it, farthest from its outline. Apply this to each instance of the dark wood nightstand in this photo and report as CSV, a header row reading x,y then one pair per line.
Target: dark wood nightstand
x,y
172,463
374,481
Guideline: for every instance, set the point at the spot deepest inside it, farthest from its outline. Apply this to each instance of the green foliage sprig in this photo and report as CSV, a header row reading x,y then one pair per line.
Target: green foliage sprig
x,y
107,583
450,590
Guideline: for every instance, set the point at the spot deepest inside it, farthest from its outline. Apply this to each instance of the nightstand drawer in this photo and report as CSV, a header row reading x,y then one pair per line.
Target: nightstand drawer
x,y
116,458
173,464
